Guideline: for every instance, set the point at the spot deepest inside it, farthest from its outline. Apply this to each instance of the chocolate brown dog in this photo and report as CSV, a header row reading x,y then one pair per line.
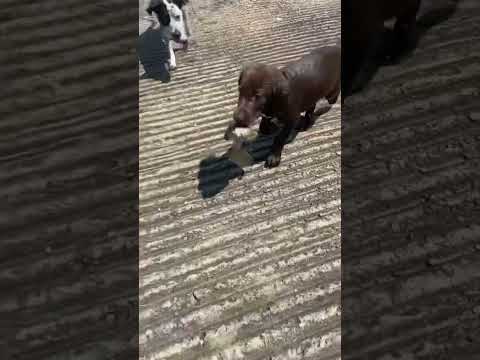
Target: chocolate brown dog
x,y
266,92
362,27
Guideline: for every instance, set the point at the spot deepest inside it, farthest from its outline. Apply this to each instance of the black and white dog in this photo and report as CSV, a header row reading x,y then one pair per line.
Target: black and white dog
x,y
173,22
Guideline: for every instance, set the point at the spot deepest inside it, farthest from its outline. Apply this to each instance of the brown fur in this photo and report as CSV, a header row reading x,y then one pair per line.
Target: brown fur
x,y
362,25
285,93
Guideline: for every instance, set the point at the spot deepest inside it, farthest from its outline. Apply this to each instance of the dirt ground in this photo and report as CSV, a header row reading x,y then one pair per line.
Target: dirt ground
x,y
410,195
237,267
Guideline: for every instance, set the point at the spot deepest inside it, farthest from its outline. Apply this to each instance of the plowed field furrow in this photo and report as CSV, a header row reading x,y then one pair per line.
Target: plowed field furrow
x,y
410,195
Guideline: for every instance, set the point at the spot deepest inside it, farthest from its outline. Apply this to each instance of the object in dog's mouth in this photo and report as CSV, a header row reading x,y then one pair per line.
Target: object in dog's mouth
x,y
238,152
244,135
240,156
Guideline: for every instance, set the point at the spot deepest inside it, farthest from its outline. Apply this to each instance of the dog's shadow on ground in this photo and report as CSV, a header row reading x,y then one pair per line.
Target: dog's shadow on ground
x,y
154,55
430,17
216,172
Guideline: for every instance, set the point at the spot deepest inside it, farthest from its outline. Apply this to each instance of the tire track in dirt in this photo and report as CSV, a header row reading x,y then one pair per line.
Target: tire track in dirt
x,y
254,271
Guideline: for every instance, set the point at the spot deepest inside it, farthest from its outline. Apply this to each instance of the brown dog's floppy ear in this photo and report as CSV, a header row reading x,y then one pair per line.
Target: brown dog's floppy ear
x,y
245,67
279,87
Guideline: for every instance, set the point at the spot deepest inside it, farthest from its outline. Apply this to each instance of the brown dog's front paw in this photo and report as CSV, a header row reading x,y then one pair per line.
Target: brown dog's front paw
x,y
305,122
272,161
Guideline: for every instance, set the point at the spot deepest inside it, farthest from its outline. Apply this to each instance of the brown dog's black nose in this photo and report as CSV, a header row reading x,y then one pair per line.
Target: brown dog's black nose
x,y
227,135
229,130
241,118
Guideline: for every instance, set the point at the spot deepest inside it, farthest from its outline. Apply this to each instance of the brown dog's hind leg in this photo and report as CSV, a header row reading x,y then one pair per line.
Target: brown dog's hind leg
x,y
306,121
333,96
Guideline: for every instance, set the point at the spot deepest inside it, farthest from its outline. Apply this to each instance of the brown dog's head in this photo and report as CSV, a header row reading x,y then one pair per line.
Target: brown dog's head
x,y
259,86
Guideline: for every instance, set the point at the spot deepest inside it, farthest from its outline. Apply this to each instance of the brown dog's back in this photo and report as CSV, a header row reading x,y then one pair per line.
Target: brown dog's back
x,y
314,76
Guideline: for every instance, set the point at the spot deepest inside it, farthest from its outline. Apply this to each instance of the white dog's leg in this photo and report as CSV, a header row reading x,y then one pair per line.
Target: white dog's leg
x,y
172,63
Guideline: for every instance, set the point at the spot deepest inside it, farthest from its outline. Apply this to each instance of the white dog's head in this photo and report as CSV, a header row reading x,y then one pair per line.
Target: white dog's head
x,y
178,25
170,14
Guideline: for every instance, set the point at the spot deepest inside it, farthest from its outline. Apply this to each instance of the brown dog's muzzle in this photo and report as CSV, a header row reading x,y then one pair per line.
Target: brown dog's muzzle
x,y
238,115
243,117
